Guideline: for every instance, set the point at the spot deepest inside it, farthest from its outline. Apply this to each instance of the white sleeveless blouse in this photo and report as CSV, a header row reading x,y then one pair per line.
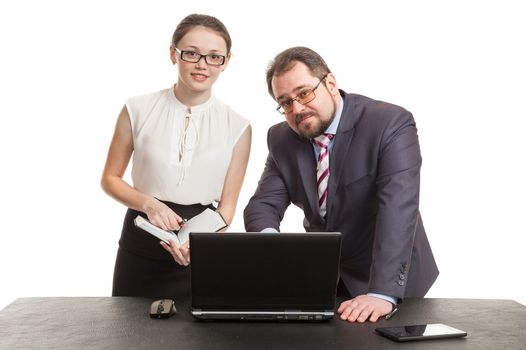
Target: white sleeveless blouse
x,y
177,165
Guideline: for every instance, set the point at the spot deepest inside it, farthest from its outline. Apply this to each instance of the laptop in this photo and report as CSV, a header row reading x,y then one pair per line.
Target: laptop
x,y
264,276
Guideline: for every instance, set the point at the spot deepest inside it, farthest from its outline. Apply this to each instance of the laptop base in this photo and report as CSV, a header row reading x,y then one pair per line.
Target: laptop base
x,y
263,315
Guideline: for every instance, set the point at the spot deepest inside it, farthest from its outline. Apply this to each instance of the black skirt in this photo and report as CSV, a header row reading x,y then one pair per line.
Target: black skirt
x,y
143,268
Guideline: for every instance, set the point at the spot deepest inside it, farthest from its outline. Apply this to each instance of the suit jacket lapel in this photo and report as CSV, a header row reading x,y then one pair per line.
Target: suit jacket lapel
x,y
307,172
342,144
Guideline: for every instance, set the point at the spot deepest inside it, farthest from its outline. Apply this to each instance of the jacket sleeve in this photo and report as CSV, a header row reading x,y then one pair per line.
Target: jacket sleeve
x,y
398,188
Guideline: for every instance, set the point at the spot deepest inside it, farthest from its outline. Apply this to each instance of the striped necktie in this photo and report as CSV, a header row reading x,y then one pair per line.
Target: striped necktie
x,y
322,170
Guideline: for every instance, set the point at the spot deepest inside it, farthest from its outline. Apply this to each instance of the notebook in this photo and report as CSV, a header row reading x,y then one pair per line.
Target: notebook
x,y
264,276
208,220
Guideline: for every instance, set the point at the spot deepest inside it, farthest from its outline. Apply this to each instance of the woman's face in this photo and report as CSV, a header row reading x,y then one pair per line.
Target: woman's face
x,y
198,77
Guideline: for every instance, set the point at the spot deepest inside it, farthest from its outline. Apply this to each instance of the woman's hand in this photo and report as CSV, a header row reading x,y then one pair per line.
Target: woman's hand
x,y
181,255
162,216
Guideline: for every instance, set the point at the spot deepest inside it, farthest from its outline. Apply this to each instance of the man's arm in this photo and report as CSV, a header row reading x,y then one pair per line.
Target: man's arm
x,y
398,190
398,184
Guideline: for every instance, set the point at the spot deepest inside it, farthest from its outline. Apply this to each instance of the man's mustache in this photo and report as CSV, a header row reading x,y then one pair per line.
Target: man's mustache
x,y
300,116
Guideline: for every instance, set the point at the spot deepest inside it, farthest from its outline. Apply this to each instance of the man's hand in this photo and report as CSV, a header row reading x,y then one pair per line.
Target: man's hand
x,y
363,308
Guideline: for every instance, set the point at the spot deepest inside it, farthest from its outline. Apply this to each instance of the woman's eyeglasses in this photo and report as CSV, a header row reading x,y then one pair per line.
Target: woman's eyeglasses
x,y
212,59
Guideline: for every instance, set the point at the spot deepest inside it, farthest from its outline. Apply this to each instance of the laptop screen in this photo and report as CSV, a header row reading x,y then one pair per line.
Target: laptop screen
x,y
246,271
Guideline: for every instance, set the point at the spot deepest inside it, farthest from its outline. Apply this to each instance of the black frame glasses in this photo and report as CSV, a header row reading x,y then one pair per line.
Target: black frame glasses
x,y
192,56
303,97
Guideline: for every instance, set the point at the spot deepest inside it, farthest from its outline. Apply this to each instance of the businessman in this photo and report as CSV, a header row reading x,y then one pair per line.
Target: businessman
x,y
352,164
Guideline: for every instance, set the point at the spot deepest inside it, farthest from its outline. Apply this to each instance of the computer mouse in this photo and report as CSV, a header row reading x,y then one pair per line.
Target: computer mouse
x,y
162,308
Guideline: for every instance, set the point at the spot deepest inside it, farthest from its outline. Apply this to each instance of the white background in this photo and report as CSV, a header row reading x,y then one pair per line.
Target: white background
x,y
67,67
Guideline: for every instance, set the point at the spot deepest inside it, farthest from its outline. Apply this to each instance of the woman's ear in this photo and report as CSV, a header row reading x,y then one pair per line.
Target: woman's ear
x,y
223,67
173,55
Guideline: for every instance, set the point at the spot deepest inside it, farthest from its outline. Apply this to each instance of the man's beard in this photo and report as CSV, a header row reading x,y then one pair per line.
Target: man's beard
x,y
313,131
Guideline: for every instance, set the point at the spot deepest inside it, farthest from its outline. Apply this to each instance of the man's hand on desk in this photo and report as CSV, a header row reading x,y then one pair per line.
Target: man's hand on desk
x,y
363,308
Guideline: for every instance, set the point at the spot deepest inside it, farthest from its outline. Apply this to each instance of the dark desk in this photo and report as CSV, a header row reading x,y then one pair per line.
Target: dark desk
x,y
123,323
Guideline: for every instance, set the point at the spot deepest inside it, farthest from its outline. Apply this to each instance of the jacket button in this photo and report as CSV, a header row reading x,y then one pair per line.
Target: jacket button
x,y
401,283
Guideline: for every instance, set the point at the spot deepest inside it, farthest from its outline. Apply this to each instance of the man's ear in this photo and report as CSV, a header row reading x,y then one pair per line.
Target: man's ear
x,y
173,55
331,84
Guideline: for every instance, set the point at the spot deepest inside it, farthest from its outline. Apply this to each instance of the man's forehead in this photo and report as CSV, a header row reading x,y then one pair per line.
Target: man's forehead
x,y
294,79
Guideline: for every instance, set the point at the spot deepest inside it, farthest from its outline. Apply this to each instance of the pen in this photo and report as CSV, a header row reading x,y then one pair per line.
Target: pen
x,y
392,313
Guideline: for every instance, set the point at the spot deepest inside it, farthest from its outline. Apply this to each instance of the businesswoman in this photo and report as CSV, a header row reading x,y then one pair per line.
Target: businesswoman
x,y
189,150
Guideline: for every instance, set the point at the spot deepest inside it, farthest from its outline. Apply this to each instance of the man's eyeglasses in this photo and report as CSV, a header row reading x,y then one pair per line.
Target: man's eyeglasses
x,y
303,97
212,59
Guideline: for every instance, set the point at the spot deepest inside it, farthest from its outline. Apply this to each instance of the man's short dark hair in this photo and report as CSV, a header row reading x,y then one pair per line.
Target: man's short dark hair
x,y
284,62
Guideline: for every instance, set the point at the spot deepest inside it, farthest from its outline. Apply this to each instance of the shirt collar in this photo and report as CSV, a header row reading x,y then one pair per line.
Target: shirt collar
x,y
194,109
338,115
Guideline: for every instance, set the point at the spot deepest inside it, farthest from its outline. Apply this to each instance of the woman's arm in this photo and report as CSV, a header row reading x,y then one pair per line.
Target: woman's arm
x,y
119,155
235,176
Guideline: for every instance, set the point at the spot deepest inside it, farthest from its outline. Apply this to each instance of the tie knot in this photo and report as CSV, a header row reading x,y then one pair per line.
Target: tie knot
x,y
323,140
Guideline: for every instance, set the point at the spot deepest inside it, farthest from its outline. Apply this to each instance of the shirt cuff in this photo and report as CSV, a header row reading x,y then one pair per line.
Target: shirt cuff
x,y
269,230
390,299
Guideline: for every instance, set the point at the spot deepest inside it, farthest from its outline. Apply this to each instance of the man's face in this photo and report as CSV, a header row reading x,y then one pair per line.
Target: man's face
x,y
312,118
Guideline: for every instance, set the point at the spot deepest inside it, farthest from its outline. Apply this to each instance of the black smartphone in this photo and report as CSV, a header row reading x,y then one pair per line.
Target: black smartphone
x,y
420,332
